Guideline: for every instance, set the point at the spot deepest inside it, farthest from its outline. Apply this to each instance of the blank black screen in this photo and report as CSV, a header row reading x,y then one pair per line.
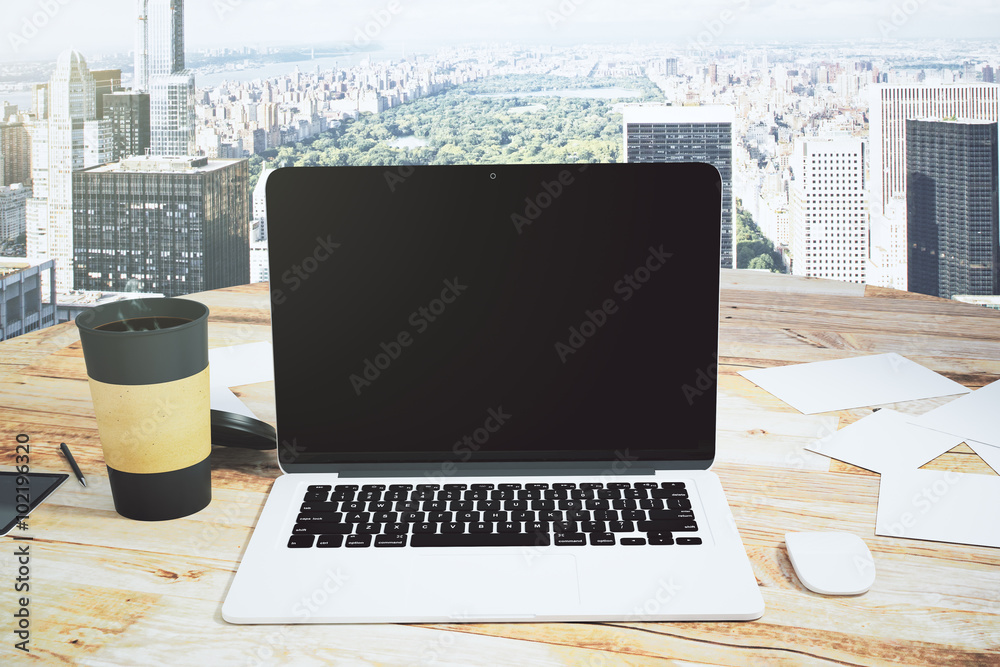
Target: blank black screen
x,y
494,313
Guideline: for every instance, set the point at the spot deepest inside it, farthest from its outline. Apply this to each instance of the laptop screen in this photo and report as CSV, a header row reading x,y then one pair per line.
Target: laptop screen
x,y
507,313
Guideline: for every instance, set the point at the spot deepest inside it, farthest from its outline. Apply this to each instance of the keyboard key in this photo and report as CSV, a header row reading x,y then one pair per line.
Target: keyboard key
x,y
484,505
300,541
345,487
318,528
412,517
608,515
564,485
602,539
384,517
570,504
635,494
515,505
564,526
380,506
317,496
678,504
502,494
354,506
424,528
651,504
597,504
553,515
622,527
310,507
483,487
395,529
396,496
439,517
688,540
450,495
369,496
307,517
368,528
390,540
609,494
467,517
628,504
543,505
319,487
341,496
494,516
578,515
672,485
428,487
645,485
461,506
452,527
509,487
522,516
620,485
477,494
407,506
633,541
660,515
536,485
455,487
329,541
481,540
593,527
529,494
668,493
423,495
373,487
669,525
592,485
536,527
400,487
508,527
481,527
660,538
633,515
570,539
434,506
357,517
355,541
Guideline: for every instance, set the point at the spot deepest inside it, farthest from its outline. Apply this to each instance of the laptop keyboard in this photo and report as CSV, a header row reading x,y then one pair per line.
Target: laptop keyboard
x,y
495,515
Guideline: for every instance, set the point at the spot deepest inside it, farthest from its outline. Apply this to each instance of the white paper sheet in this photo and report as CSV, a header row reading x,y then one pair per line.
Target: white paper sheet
x,y
855,382
942,506
241,364
973,417
234,366
988,453
223,398
885,441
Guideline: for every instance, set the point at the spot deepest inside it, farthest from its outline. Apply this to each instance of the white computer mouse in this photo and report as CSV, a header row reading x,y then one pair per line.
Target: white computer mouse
x,y
831,563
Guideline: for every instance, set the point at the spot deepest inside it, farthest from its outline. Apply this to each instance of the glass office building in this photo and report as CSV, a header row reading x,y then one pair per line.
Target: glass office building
x,y
951,207
128,113
167,225
687,134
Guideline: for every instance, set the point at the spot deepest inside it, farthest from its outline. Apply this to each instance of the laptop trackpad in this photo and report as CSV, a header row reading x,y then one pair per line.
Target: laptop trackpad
x,y
490,585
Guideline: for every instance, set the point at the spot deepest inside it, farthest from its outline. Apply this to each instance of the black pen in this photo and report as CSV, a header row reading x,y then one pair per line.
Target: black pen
x,y
72,462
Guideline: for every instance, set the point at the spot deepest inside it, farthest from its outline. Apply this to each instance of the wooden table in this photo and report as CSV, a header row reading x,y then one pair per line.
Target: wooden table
x,y
105,590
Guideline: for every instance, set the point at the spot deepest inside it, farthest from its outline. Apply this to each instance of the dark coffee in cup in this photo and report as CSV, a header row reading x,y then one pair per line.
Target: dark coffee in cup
x,y
147,363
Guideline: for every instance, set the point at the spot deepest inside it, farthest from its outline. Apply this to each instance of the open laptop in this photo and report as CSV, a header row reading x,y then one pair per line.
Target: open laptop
x,y
494,399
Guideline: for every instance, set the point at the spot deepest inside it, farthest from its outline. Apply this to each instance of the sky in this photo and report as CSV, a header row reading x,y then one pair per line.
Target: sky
x,y
40,29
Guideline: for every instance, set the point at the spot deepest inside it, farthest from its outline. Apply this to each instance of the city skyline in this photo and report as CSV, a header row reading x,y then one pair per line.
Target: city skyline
x,y
40,29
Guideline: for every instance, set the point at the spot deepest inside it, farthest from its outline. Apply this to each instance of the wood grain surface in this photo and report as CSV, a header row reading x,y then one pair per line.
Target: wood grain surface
x,y
106,590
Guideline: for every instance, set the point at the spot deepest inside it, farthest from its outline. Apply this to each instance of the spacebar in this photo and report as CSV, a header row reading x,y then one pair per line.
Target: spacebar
x,y
480,540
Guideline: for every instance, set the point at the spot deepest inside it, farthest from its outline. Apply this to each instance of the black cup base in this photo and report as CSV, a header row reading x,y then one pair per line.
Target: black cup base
x,y
162,495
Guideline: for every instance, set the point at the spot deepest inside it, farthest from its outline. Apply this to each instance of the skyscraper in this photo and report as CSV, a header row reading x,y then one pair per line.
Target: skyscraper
x,y
71,138
951,207
890,107
128,113
106,81
829,209
159,40
15,153
687,134
158,224
159,70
